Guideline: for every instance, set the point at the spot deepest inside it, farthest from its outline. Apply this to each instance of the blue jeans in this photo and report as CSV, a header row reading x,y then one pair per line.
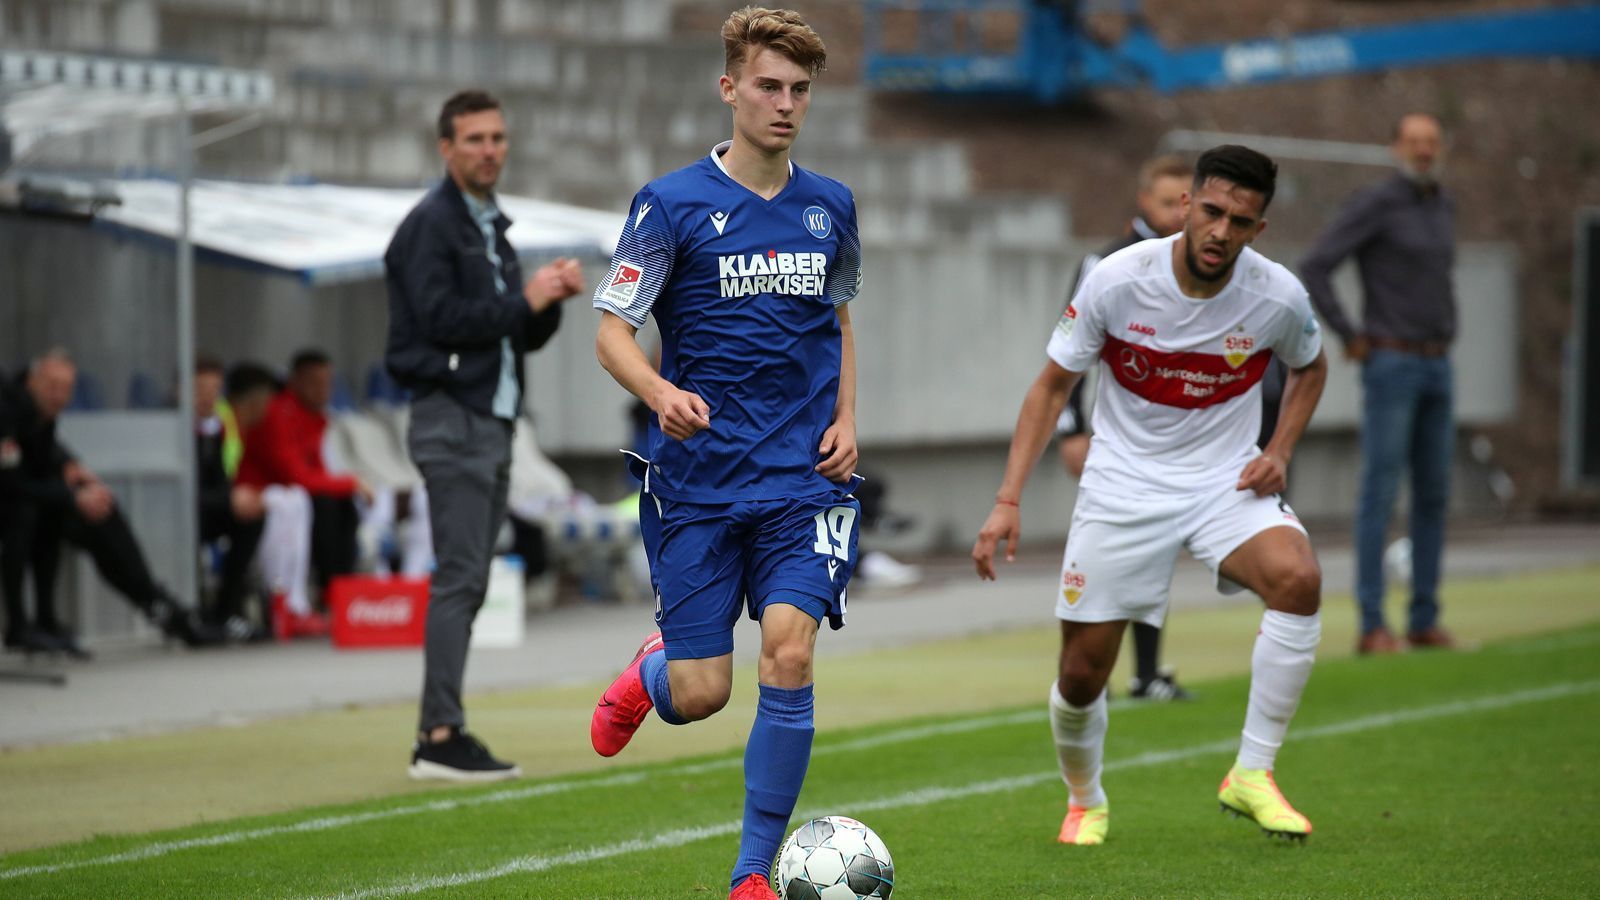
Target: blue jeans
x,y
1406,420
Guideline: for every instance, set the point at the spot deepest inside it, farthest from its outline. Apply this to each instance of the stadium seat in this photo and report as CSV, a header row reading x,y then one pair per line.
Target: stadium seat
x,y
86,394
368,448
143,393
383,390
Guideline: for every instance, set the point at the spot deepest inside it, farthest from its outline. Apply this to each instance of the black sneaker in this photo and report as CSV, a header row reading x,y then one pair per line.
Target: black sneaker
x,y
460,758
30,640
242,631
65,642
1163,688
184,625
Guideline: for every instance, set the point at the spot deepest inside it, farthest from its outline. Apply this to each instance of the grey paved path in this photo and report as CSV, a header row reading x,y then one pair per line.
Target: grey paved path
x,y
140,689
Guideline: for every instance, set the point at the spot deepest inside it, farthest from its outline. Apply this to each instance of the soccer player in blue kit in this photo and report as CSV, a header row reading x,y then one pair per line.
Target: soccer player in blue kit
x,y
747,261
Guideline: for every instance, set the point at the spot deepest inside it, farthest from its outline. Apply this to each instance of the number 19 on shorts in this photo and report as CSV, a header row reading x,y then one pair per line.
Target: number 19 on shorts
x,y
833,531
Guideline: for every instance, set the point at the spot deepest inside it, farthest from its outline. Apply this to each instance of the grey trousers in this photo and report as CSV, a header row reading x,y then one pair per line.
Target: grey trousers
x,y
465,460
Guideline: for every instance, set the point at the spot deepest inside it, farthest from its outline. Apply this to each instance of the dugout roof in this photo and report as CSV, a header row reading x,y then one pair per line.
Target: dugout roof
x,y
325,233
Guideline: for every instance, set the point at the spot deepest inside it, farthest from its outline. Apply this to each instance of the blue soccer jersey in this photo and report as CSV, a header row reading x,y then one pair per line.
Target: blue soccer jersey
x,y
744,292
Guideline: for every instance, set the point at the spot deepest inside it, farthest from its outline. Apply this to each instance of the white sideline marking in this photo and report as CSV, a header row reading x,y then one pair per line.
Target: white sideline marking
x,y
523,793
629,778
925,796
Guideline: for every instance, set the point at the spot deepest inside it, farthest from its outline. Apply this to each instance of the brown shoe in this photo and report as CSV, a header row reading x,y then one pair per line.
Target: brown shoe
x,y
1378,641
1432,638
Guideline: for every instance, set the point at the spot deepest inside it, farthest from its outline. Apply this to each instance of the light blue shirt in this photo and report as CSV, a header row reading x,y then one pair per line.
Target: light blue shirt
x,y
484,212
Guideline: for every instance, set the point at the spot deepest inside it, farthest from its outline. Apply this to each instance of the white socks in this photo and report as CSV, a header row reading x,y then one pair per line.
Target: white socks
x,y
1080,733
1279,667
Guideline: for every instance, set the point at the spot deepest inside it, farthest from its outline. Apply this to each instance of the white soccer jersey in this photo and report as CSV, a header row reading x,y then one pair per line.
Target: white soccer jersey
x,y
1179,400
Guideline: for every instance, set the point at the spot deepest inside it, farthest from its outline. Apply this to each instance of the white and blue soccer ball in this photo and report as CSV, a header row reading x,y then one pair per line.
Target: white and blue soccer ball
x,y
833,858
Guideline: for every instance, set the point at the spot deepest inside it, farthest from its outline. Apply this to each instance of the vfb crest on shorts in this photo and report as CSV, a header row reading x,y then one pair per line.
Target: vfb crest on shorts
x,y
1236,348
1072,582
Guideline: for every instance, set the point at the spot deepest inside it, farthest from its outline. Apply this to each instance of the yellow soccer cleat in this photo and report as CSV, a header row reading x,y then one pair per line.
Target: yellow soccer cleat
x,y
1085,826
1252,794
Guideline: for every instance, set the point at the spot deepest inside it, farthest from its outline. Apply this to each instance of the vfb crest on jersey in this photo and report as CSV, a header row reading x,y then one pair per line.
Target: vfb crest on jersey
x,y
817,222
1236,348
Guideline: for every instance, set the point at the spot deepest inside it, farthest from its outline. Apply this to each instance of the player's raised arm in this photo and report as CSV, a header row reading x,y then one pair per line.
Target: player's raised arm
x,y
838,449
1035,423
682,413
1268,473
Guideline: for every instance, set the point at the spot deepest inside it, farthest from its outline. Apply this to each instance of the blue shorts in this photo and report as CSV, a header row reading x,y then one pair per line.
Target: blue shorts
x,y
711,561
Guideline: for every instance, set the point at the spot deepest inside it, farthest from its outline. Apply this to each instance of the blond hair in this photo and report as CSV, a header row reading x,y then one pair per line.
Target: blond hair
x,y
782,30
1164,167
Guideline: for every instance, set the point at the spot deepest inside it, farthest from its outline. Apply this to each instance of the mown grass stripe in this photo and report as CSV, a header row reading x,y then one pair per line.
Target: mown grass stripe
x,y
937,794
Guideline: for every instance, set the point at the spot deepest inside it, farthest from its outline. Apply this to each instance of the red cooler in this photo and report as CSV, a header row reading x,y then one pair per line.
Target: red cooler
x,y
378,612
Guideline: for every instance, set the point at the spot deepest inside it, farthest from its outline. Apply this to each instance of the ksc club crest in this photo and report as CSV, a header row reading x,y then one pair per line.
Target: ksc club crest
x,y
1237,347
817,222
1072,582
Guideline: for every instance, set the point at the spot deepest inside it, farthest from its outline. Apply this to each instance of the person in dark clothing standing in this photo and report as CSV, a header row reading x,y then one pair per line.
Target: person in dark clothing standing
x,y
229,511
460,320
1162,183
1401,233
47,496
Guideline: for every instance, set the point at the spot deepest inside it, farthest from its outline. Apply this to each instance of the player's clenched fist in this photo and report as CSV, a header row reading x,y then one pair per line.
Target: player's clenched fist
x,y
553,283
1265,475
1004,526
839,453
682,413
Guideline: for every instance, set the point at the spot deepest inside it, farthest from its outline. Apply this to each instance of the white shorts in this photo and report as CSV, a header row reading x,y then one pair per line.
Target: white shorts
x,y
1121,551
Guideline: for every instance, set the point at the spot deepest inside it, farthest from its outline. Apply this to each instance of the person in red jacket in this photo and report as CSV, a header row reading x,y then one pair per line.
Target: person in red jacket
x,y
286,448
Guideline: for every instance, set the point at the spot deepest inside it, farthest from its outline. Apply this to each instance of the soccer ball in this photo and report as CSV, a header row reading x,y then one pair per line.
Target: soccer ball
x,y
833,858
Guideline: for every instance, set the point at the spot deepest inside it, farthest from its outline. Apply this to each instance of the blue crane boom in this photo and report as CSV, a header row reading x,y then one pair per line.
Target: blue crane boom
x,y
1055,58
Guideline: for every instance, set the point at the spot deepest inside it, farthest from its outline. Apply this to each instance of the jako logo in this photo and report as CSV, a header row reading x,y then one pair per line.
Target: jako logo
x,y
817,222
389,612
1142,329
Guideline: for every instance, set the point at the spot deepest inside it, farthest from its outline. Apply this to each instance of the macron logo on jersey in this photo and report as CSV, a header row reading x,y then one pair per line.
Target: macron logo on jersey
x,y
795,274
644,210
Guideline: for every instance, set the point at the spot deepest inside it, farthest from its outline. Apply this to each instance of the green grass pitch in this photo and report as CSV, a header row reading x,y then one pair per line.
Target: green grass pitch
x,y
1461,774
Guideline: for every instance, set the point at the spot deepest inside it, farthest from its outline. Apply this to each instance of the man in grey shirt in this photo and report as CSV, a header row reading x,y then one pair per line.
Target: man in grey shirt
x,y
1401,233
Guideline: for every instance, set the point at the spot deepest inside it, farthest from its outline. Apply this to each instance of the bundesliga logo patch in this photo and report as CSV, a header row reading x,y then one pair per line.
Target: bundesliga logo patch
x,y
624,284
1068,319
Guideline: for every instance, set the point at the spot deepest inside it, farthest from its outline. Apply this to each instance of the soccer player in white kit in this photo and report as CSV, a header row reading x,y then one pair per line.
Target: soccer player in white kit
x,y
1183,328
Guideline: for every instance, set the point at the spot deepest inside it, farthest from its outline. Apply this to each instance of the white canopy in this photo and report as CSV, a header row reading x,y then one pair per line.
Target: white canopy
x,y
328,233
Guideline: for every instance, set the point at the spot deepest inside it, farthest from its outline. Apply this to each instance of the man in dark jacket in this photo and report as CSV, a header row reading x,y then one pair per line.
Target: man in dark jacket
x,y
47,496
460,320
1401,233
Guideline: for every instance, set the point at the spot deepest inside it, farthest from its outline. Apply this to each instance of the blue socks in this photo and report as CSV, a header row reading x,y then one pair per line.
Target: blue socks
x,y
653,670
775,761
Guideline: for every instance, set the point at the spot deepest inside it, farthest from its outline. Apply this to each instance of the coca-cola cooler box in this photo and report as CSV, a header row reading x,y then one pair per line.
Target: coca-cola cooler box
x,y
369,611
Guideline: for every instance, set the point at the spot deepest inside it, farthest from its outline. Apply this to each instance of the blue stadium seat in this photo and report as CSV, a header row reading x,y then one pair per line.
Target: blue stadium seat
x,y
383,389
86,394
143,393
341,401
